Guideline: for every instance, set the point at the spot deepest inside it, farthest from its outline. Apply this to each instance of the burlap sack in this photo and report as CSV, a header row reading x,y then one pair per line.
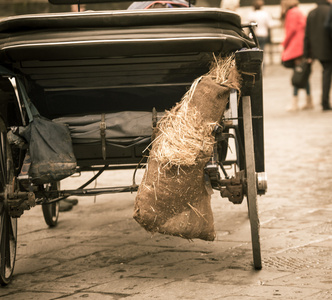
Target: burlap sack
x,y
173,198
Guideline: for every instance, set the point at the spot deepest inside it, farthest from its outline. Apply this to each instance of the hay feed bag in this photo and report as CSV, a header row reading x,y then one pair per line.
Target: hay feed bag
x,y
172,197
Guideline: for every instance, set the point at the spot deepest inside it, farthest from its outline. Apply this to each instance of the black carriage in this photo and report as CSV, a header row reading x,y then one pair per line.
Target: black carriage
x,y
109,75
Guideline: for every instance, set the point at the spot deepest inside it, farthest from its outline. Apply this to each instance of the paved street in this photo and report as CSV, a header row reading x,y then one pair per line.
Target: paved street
x,y
98,251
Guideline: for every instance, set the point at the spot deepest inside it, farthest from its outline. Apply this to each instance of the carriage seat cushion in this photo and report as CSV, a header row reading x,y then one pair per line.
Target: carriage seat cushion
x,y
121,127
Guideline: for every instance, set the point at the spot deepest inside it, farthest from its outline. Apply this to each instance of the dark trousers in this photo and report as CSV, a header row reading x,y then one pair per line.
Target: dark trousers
x,y
327,79
262,40
290,64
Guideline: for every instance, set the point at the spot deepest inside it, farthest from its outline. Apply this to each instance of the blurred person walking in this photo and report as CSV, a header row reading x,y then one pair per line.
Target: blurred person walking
x,y
263,20
77,7
328,22
292,55
230,4
318,45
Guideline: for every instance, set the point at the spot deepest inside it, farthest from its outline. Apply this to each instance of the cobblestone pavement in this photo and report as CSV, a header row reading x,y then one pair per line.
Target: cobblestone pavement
x,y
98,251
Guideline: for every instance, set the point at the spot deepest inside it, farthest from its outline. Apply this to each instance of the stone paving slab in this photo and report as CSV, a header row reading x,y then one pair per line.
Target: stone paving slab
x,y
26,295
94,296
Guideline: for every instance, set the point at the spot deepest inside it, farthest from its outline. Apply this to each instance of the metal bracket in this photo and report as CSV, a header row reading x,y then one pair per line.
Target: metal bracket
x,y
233,188
103,135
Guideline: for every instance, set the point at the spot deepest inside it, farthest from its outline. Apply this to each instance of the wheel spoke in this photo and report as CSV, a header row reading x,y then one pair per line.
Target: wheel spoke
x,y
3,160
6,244
2,243
54,211
13,229
10,250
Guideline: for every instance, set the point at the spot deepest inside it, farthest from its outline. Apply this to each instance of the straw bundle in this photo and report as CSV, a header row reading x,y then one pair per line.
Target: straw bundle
x,y
184,134
172,198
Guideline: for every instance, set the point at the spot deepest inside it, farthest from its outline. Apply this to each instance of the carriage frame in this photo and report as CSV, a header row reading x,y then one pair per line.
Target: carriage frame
x,y
32,62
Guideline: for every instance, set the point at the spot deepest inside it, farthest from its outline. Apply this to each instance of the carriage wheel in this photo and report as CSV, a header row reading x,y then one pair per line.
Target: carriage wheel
x,y
51,211
8,225
251,187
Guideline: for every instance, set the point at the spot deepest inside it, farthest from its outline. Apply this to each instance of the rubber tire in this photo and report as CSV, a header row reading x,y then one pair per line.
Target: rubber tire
x,y
251,186
8,225
51,211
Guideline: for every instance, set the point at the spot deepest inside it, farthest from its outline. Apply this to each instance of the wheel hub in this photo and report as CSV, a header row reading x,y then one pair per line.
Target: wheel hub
x,y
17,202
261,179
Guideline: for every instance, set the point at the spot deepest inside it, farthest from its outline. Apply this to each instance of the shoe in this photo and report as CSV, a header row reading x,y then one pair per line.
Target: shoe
x,y
71,201
65,206
327,108
294,105
309,104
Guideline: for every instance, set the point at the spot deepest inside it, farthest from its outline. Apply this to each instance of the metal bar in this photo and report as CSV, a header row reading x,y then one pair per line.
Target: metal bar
x,y
89,192
98,191
94,177
233,106
15,195
240,118
229,162
85,184
109,167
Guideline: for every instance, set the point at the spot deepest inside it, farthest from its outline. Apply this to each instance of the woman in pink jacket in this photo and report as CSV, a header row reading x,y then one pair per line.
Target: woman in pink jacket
x,y
292,55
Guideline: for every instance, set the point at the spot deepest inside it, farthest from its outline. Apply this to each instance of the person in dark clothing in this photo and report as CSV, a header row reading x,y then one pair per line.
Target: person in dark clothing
x,y
328,22
318,45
